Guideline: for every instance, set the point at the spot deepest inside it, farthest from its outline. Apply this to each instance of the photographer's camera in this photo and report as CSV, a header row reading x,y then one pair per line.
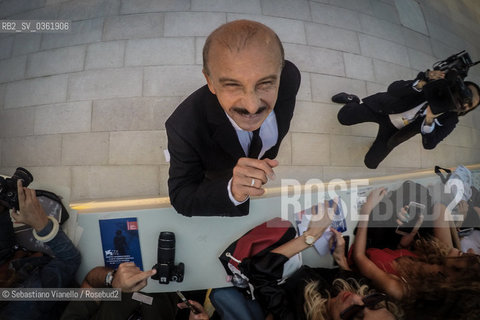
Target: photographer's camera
x,y
166,269
8,187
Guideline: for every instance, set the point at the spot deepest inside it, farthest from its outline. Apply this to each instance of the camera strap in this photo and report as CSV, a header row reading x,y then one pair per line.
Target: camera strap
x,y
142,298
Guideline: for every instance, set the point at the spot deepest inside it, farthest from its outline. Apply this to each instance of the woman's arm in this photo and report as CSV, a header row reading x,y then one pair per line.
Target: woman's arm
x,y
319,222
382,280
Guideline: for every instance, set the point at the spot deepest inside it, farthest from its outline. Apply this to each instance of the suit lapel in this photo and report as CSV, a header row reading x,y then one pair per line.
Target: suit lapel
x,y
222,130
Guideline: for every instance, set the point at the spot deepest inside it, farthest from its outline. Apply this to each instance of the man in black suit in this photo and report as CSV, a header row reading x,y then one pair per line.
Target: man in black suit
x,y
401,113
224,137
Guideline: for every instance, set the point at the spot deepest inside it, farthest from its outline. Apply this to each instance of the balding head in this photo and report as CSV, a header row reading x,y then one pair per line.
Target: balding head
x,y
238,35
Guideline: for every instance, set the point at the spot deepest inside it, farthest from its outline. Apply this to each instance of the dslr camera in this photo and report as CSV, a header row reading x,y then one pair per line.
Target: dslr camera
x,y
450,93
8,187
166,269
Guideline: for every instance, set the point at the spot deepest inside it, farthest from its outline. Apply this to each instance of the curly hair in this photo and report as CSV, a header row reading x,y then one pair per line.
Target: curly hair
x,y
438,286
315,306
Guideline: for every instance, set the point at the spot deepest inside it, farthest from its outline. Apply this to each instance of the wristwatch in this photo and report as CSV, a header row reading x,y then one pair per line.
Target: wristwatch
x,y
309,240
109,279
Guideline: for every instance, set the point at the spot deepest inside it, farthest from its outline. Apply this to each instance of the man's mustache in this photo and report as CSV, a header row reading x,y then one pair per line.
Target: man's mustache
x,y
245,112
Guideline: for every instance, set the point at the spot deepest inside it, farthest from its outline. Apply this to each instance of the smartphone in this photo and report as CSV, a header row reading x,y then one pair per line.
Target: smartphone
x,y
415,211
189,305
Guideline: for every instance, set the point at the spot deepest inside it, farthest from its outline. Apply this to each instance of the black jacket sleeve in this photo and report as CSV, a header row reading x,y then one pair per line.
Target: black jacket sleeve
x,y
191,192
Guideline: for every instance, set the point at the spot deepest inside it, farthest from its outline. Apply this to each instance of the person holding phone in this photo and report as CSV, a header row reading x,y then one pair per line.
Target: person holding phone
x,y
409,220
430,281
315,293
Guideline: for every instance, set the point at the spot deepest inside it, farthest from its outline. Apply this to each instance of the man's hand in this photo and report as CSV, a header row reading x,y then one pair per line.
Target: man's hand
x,y
435,74
199,316
130,278
249,175
31,212
430,75
430,117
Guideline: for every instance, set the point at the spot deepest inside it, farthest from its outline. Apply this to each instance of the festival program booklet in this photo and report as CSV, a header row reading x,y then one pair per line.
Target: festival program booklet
x,y
302,219
120,242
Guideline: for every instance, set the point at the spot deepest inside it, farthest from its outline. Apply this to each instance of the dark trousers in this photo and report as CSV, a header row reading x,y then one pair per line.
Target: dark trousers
x,y
354,113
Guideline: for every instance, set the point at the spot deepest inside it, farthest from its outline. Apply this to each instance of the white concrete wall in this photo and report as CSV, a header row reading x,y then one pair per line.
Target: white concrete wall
x,y
87,109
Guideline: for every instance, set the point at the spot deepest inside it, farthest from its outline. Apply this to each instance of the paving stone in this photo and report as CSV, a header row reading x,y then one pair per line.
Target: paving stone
x,y
63,118
85,31
310,149
142,6
383,50
46,148
332,38
105,83
163,51
324,87
97,182
288,30
317,60
244,6
36,91
180,24
146,25
108,54
63,60
172,81
335,16
12,69
358,67
85,149
16,122
139,147
288,9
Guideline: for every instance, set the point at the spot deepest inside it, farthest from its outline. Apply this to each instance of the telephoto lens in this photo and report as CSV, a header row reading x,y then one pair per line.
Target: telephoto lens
x,y
23,174
165,257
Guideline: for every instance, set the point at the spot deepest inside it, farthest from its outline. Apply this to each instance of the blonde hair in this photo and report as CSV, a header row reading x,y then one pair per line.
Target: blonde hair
x,y
316,304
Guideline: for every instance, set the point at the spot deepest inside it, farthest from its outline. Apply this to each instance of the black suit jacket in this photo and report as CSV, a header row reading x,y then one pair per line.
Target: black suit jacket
x,y
204,148
401,97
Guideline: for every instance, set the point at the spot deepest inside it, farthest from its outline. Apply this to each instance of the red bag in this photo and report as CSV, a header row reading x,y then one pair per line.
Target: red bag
x,y
259,240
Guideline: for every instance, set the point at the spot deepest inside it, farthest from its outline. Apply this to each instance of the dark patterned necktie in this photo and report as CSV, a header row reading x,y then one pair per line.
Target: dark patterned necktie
x,y
255,145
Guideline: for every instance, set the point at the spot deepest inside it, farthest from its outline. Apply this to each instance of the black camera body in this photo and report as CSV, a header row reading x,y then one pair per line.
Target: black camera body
x,y
166,269
8,187
451,93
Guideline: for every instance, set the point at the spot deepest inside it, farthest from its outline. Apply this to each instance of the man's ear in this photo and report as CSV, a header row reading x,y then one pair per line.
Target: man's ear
x,y
209,81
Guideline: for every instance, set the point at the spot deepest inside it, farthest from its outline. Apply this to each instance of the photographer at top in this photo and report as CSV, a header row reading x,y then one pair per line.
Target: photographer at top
x,y
224,137
406,110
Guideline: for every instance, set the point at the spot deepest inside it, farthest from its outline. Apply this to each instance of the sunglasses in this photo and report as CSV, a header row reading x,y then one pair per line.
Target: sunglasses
x,y
371,302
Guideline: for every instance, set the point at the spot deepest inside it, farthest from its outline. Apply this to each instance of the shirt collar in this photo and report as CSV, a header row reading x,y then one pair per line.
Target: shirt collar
x,y
236,127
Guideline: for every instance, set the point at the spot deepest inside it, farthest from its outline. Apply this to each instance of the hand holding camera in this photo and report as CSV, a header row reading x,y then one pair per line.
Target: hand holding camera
x,y
31,212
